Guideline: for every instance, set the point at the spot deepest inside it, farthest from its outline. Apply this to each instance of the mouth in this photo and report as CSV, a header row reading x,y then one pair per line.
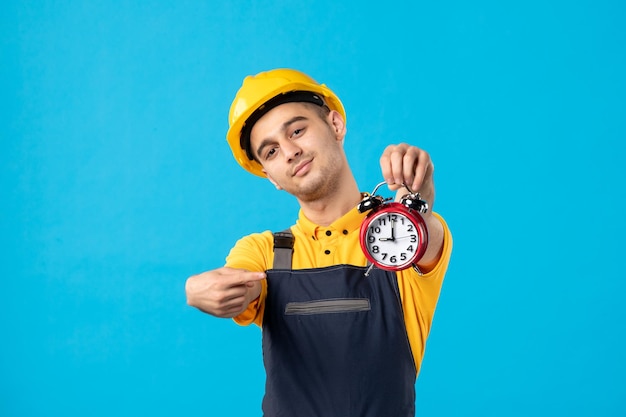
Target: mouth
x,y
302,168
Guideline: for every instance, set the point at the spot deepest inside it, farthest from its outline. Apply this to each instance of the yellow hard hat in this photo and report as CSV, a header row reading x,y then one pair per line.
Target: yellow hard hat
x,y
259,94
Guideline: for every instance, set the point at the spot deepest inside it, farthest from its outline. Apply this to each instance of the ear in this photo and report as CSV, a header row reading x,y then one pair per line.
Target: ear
x,y
278,187
337,124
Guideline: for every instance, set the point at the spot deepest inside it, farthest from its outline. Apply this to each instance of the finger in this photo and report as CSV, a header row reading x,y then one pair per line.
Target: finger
x,y
255,281
232,295
427,178
234,309
420,170
397,167
410,161
385,166
234,276
255,276
231,308
391,165
250,278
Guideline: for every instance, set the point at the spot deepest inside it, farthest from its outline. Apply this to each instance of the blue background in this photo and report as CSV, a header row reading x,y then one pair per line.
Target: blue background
x,y
117,184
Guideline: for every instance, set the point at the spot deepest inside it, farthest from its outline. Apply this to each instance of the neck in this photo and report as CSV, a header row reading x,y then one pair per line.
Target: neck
x,y
331,207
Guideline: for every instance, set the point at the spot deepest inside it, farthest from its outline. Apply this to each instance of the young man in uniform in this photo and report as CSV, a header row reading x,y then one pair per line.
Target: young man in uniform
x,y
336,342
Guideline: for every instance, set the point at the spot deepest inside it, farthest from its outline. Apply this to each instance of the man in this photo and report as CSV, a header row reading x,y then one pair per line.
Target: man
x,y
335,341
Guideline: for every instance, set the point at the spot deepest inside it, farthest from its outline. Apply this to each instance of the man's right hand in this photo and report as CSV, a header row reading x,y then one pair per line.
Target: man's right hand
x,y
223,292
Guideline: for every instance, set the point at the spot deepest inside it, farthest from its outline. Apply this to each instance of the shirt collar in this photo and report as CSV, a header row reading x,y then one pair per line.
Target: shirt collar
x,y
349,222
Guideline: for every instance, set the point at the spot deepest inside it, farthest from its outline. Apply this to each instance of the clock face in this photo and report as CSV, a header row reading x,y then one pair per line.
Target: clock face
x,y
393,238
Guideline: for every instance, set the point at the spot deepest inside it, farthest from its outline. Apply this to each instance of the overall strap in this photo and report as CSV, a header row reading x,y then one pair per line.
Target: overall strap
x,y
283,249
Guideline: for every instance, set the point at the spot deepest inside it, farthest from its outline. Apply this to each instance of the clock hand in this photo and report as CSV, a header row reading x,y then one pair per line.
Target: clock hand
x,y
393,234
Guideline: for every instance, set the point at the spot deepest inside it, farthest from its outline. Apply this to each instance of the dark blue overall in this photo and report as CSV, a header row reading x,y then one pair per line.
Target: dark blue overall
x,y
335,344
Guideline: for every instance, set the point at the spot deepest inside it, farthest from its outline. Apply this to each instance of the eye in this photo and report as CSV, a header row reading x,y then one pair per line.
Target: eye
x,y
271,152
297,132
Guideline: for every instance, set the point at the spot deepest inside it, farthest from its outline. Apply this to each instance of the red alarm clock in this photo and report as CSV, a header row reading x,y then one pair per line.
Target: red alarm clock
x,y
394,235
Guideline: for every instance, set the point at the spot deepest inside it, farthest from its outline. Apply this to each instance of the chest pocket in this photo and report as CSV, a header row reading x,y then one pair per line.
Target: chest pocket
x,y
337,305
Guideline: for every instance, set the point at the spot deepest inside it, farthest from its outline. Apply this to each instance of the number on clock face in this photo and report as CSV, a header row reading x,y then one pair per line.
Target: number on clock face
x,y
392,239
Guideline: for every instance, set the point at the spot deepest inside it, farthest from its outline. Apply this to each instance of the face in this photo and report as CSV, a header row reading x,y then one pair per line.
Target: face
x,y
300,150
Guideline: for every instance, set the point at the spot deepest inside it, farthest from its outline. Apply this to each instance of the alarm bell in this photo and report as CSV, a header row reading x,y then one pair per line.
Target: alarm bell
x,y
370,202
414,202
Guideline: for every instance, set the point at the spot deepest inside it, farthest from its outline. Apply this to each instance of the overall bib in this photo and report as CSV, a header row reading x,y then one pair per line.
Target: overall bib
x,y
335,344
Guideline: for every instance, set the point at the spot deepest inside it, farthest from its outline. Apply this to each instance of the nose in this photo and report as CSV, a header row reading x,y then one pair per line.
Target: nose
x,y
290,150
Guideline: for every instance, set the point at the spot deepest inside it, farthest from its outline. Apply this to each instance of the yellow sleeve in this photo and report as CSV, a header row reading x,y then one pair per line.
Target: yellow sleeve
x,y
254,252
419,295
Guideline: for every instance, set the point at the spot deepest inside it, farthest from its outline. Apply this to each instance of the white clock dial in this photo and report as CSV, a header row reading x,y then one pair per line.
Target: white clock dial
x,y
392,239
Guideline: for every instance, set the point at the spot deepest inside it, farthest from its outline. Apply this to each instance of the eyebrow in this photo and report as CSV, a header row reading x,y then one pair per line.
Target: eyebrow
x,y
284,127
